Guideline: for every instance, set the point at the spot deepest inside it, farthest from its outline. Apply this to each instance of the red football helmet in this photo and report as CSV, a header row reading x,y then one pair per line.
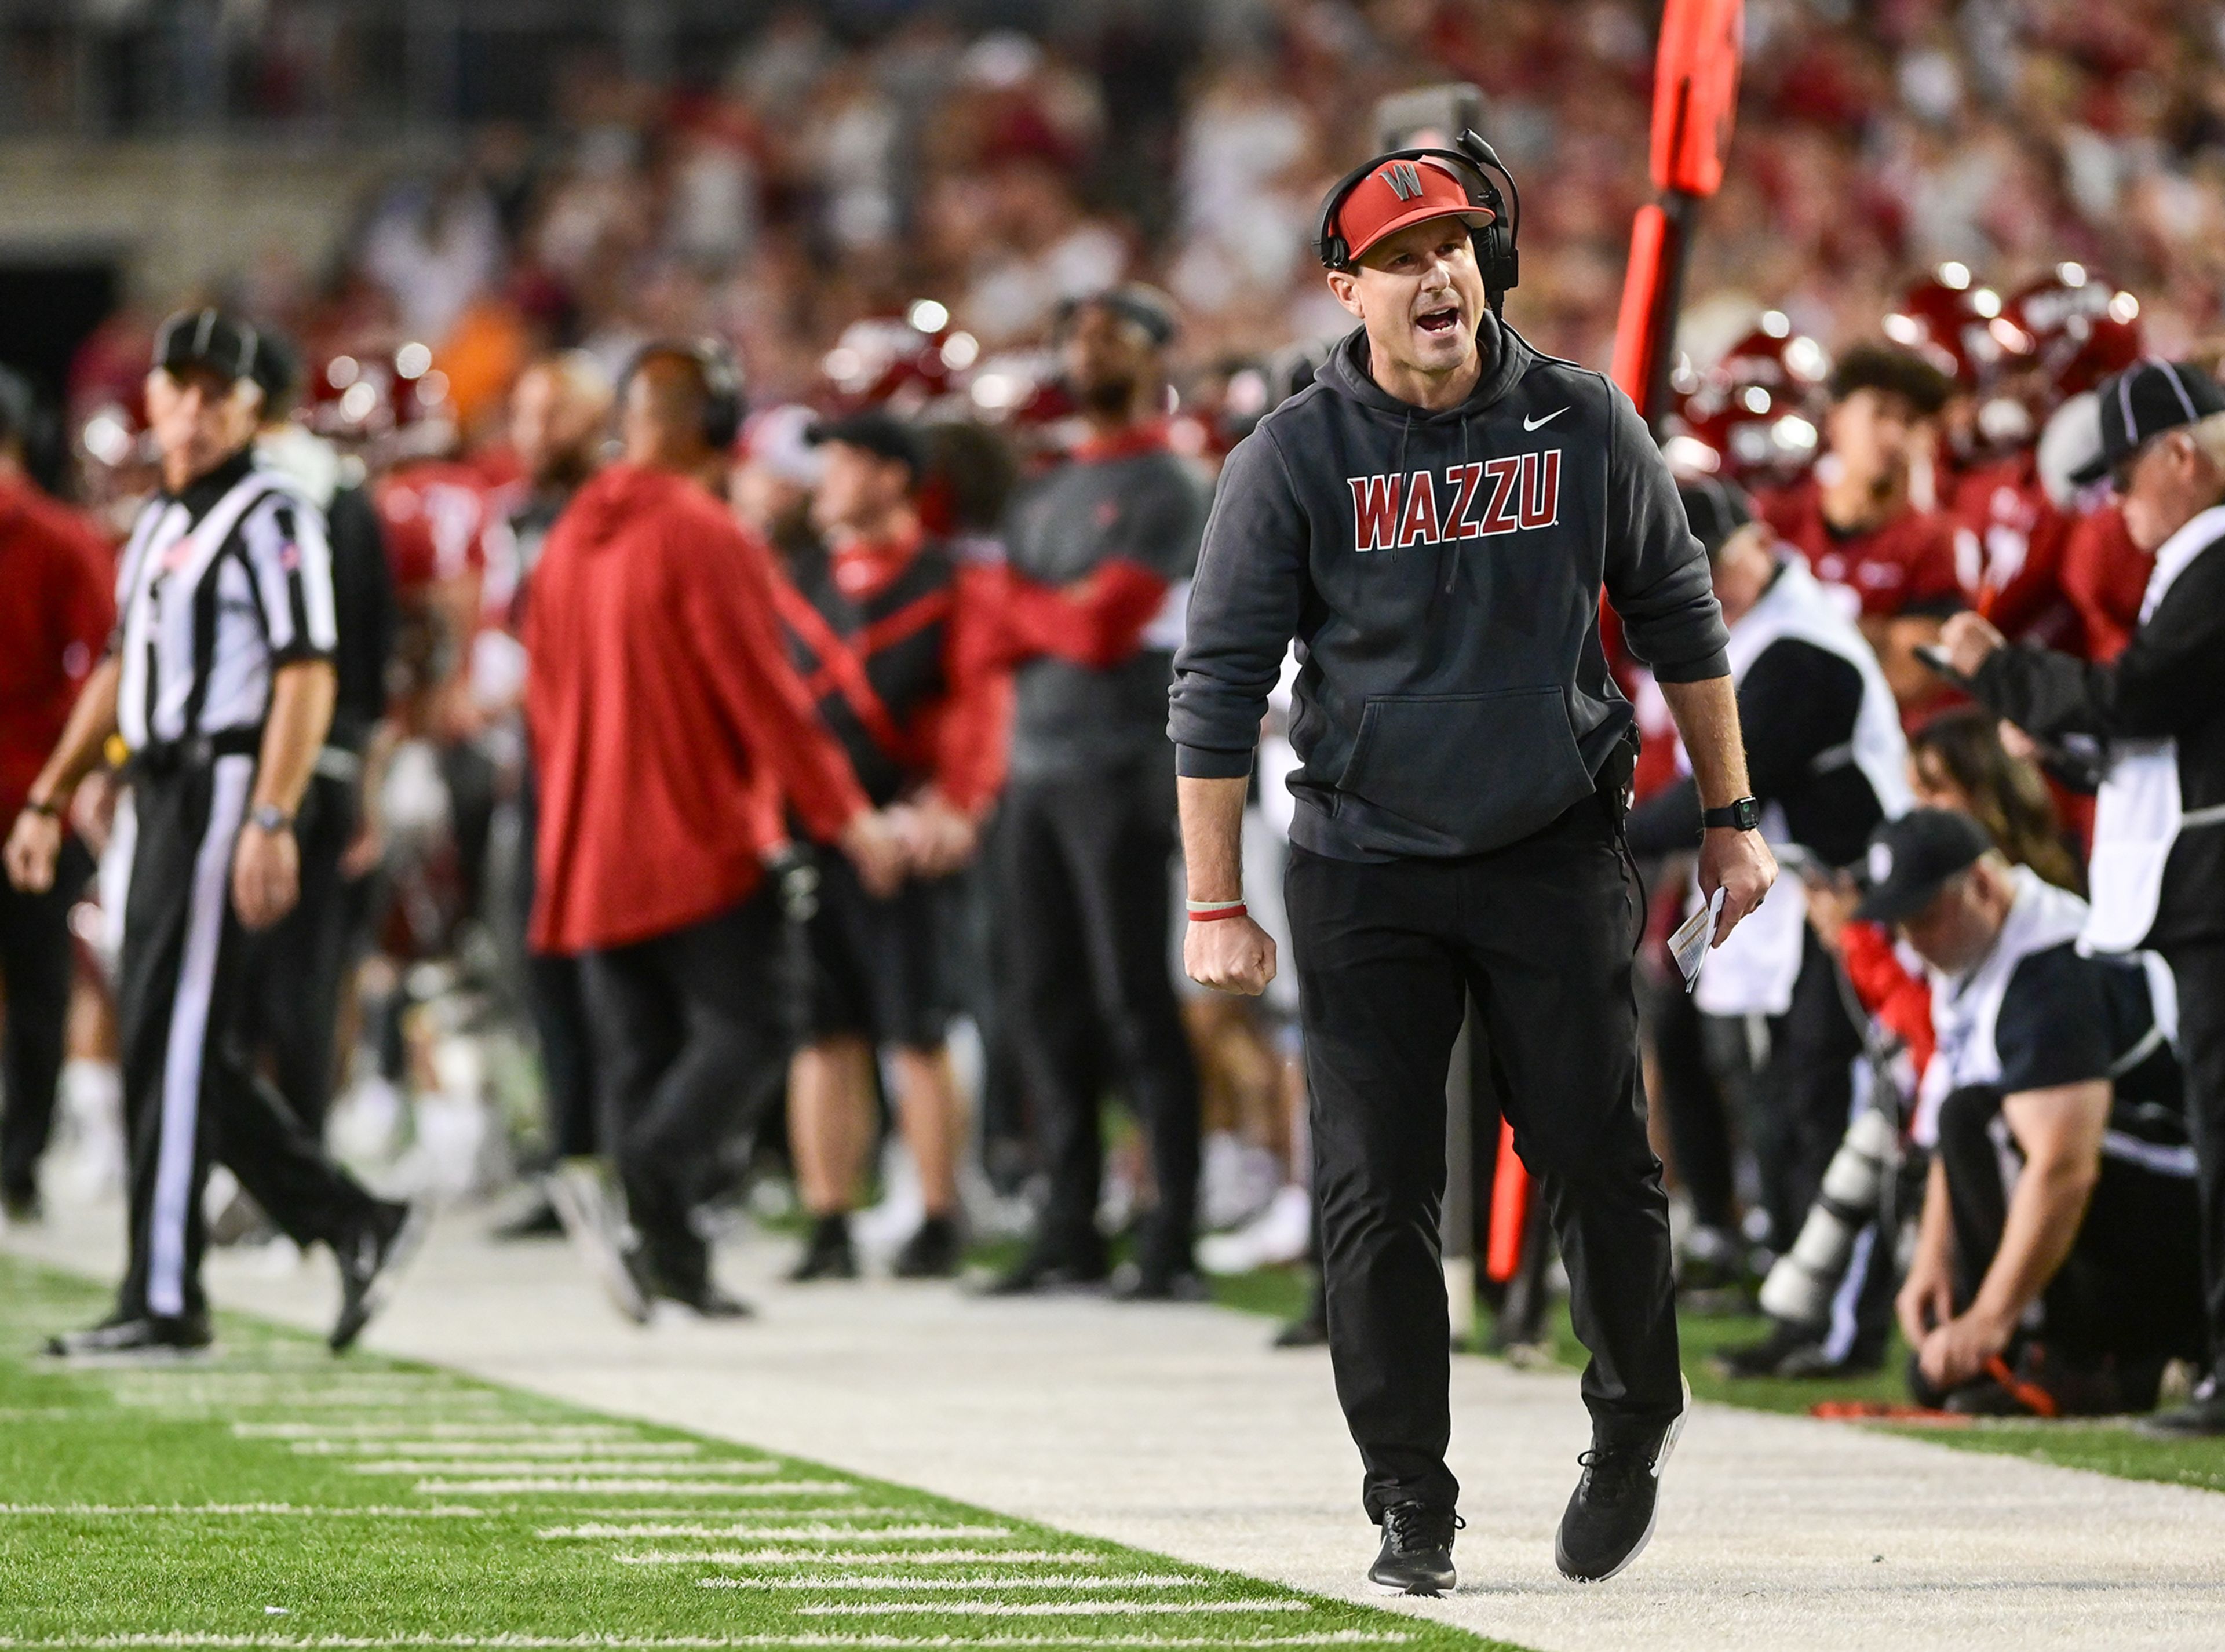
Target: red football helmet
x,y
1756,412
373,397
2083,327
902,361
1958,327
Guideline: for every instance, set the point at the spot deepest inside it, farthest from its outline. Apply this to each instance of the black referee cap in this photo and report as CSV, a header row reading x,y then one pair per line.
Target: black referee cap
x,y
2142,403
210,339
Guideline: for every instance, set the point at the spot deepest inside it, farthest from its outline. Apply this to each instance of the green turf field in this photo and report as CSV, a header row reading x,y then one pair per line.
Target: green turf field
x,y
270,1495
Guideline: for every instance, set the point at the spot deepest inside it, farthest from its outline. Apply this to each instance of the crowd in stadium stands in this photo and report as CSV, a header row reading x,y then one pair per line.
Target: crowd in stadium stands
x,y
900,551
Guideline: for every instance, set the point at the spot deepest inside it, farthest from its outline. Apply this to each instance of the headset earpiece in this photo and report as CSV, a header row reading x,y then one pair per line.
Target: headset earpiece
x,y
725,403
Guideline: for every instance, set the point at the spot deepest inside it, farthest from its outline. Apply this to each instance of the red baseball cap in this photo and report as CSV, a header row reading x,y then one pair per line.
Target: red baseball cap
x,y
1399,193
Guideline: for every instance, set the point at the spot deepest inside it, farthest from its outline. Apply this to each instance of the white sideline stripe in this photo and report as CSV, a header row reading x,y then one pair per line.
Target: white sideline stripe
x,y
730,1467
820,1555
688,1642
918,1557
566,1450
1053,1580
688,1488
370,1435
738,1526
1054,1608
376,1512
750,1528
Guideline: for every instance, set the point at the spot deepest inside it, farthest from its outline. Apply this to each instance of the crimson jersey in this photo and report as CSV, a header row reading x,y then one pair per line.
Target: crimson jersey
x,y
2105,576
1905,566
439,517
2012,554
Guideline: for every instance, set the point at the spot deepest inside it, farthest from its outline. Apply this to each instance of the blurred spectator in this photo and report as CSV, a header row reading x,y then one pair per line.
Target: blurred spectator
x,y
53,629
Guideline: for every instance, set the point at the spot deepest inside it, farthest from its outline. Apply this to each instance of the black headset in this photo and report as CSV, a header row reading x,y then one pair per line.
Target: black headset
x,y
1497,250
725,404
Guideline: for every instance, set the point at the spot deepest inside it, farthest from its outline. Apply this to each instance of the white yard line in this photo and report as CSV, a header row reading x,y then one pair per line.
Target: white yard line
x,y
380,1511
380,1434
585,1467
818,1555
893,1580
523,1485
847,1534
1052,1608
685,1642
568,1450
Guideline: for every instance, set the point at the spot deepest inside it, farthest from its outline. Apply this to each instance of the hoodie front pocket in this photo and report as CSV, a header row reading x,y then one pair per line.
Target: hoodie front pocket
x,y
1482,769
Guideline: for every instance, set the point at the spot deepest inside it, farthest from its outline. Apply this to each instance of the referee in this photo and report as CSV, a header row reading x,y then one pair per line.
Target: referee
x,y
221,681
1432,520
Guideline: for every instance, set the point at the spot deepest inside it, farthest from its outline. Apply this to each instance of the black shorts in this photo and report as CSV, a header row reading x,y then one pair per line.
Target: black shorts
x,y
875,966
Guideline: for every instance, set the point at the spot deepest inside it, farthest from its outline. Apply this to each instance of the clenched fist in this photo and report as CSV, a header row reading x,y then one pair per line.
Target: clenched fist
x,y
1229,955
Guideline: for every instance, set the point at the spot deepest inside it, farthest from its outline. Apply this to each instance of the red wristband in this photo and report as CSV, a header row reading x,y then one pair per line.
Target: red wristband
x,y
1218,913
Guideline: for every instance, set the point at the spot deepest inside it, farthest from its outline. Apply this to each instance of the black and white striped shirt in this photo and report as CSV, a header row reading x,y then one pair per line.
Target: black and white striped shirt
x,y
217,586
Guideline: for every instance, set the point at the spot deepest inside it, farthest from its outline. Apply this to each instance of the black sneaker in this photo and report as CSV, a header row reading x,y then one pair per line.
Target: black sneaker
x,y
933,1252
1307,1331
1046,1270
709,1302
1144,1282
828,1254
1417,1556
1786,1345
371,1260
1610,1516
20,1207
2202,1417
142,1335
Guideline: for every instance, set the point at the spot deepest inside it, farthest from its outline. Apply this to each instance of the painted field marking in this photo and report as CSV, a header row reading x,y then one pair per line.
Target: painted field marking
x,y
1054,1608
563,1450
687,1643
685,1488
737,1526
921,1557
574,1465
1051,1580
338,1431
848,1533
378,1512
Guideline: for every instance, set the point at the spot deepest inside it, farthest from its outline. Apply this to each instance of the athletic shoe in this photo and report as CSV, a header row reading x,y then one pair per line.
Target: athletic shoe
x,y
1611,1513
575,1192
538,1220
1045,1269
371,1260
2202,1417
932,1252
710,1302
1785,1345
826,1254
1417,1556
20,1207
1144,1282
143,1336
1307,1331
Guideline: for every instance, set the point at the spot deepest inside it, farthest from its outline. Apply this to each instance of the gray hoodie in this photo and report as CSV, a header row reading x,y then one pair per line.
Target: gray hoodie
x,y
1440,573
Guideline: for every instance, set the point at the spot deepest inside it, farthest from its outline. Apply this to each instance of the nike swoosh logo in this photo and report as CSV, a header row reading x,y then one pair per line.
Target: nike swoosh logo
x,y
1532,424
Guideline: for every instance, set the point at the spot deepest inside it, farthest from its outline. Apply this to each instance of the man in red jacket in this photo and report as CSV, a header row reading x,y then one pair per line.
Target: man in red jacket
x,y
668,726
53,627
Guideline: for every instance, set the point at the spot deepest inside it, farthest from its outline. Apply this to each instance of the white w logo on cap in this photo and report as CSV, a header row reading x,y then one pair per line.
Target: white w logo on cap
x,y
1405,179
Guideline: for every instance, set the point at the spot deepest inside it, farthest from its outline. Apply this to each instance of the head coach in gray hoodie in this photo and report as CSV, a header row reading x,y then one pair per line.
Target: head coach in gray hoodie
x,y
1432,521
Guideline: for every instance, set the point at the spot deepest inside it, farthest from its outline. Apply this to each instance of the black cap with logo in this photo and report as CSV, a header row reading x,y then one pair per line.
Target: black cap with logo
x,y
210,340
2142,403
1913,858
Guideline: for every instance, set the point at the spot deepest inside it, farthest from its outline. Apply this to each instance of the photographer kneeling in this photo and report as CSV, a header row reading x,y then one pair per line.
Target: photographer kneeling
x,y
2056,1267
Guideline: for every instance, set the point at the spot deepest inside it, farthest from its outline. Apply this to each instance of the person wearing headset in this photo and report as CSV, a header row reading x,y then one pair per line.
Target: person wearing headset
x,y
1433,520
669,728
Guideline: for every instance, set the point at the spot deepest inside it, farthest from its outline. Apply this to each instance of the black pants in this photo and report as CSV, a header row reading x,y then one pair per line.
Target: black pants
x,y
35,966
2130,1286
556,993
1085,899
2200,969
292,1002
191,1092
1805,1095
691,1044
1542,933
